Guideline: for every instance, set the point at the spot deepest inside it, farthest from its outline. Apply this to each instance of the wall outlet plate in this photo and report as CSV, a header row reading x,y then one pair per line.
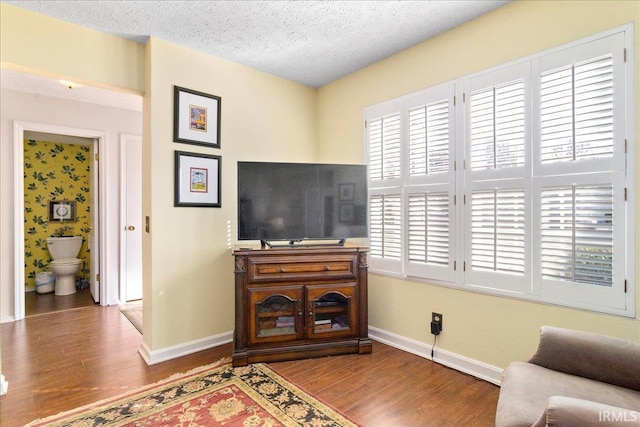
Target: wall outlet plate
x,y
437,318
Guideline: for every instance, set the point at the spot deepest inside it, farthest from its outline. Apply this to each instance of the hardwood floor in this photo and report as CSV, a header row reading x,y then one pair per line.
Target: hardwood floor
x,y
35,303
61,360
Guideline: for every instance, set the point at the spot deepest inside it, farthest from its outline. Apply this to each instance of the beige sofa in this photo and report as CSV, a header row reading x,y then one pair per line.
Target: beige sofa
x,y
575,378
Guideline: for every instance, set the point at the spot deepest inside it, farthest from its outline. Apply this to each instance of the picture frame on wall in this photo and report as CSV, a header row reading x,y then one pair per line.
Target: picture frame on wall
x,y
62,211
196,117
197,180
346,191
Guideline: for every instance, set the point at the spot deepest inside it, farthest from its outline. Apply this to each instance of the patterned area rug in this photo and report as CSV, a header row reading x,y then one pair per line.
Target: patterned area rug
x,y
214,395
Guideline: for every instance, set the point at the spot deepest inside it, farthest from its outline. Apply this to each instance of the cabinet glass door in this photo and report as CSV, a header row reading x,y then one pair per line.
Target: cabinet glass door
x,y
331,310
277,314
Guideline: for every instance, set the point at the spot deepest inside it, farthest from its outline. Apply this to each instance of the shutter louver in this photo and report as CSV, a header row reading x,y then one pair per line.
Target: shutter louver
x,y
498,231
577,234
429,228
384,148
385,232
429,139
498,127
576,111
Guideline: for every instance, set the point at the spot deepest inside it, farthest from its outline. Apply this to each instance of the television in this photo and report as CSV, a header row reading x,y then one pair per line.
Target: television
x,y
301,202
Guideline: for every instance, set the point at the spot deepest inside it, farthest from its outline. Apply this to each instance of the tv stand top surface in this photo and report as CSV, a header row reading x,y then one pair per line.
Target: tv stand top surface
x,y
300,243
312,247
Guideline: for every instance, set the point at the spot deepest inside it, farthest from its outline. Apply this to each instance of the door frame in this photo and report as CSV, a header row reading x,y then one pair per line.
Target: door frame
x,y
124,164
19,128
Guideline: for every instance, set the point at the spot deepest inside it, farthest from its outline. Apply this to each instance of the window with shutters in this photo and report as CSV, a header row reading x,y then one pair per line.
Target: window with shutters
x,y
516,181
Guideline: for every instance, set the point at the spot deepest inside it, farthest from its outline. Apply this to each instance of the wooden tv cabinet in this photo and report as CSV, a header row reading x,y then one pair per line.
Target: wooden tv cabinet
x,y
295,303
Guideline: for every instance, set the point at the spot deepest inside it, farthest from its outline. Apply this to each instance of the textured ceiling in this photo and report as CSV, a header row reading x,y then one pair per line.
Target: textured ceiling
x,y
310,42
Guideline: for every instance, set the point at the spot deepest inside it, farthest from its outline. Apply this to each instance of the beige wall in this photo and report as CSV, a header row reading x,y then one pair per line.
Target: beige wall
x,y
493,330
188,268
189,279
57,49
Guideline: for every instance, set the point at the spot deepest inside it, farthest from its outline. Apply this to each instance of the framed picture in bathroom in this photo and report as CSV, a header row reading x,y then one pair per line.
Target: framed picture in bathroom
x,y
62,211
197,180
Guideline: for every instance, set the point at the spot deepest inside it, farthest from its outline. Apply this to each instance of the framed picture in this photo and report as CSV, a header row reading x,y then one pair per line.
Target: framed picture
x,y
346,192
197,180
196,117
347,213
62,211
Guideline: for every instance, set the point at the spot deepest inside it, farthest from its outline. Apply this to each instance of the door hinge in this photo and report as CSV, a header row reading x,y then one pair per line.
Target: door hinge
x,y
454,100
98,277
625,146
464,266
97,156
624,54
464,164
625,194
464,97
454,265
464,199
365,124
455,201
625,286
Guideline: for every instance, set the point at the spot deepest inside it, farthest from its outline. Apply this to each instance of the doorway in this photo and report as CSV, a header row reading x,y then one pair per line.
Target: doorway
x,y
95,141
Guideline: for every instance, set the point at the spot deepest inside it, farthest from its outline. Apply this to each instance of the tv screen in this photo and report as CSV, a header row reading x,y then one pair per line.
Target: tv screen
x,y
301,201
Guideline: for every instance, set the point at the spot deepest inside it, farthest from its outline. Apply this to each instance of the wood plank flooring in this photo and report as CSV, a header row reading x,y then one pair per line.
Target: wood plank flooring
x,y
35,303
61,360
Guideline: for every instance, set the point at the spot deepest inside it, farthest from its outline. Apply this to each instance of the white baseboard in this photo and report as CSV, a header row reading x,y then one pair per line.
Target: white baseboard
x,y
157,356
7,319
472,367
4,386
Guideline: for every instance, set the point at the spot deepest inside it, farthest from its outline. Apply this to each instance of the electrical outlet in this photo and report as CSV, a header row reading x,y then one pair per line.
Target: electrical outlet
x,y
436,323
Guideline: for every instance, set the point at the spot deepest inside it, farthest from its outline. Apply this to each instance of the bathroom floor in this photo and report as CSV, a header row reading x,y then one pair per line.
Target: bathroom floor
x,y
35,303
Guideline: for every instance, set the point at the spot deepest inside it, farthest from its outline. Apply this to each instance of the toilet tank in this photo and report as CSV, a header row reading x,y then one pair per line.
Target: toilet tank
x,y
64,247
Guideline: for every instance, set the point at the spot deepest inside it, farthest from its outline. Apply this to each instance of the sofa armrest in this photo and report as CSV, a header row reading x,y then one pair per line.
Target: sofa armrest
x,y
565,411
598,357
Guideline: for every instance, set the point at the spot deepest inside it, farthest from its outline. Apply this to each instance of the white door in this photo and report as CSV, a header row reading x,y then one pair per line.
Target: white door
x,y
131,218
94,233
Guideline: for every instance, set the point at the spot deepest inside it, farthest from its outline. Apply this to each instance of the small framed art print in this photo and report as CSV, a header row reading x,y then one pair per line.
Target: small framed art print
x,y
62,211
196,117
197,180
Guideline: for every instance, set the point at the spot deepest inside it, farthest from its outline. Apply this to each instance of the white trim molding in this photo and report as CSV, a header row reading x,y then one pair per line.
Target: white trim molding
x,y
162,355
4,386
455,361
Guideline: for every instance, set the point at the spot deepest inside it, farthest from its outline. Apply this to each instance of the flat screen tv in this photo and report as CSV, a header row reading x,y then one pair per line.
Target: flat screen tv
x,y
298,202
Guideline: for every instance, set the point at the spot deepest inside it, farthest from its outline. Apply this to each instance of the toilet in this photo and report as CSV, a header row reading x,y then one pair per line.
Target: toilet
x,y
64,264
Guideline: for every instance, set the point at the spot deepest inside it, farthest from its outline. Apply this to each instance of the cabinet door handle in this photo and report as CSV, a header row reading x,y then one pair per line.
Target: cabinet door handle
x,y
282,270
327,268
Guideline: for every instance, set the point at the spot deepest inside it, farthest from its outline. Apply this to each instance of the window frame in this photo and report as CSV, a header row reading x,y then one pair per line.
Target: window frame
x,y
461,181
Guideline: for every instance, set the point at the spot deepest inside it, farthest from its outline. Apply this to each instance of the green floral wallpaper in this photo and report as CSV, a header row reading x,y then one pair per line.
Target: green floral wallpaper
x,y
54,171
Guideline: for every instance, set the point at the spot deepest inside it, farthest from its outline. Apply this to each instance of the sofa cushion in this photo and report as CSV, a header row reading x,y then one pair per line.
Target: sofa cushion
x,y
602,358
565,411
526,387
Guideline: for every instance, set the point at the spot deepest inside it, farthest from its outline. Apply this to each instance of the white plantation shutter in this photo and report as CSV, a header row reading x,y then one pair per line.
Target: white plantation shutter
x,y
497,126
384,148
429,228
576,111
429,139
430,236
521,184
577,234
498,231
385,234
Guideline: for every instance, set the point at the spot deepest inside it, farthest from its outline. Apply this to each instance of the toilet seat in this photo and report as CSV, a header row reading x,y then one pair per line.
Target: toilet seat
x,y
65,261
